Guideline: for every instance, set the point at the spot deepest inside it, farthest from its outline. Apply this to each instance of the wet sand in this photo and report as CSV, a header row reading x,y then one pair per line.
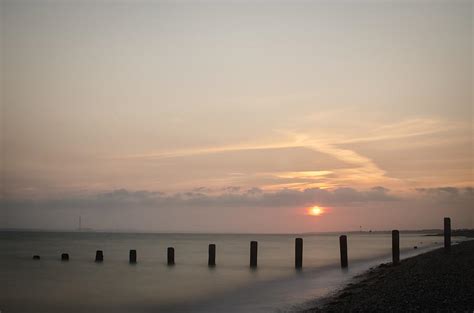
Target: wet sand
x,y
431,282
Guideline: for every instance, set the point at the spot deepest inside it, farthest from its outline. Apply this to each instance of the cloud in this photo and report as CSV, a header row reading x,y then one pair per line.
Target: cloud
x,y
231,197
232,189
406,129
448,195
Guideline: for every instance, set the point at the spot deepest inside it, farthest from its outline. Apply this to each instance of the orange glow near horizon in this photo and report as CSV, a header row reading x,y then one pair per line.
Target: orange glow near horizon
x,y
315,211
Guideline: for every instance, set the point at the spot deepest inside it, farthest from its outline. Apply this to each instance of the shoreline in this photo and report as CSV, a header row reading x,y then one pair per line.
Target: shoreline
x,y
429,282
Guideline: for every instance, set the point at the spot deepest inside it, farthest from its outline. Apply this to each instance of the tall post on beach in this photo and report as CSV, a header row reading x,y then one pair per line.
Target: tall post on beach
x,y
395,247
298,252
447,234
343,248
133,256
212,255
170,256
99,256
253,254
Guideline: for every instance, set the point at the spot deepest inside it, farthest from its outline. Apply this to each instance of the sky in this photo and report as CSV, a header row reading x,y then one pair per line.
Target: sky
x,y
236,116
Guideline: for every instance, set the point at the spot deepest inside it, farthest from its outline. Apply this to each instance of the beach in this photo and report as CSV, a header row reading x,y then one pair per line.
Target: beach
x,y
435,281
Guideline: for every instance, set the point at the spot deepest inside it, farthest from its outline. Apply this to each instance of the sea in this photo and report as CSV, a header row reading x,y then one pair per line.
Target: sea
x,y
150,285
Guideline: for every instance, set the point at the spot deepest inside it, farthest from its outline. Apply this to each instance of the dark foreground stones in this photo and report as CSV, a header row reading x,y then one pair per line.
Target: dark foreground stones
x,y
432,282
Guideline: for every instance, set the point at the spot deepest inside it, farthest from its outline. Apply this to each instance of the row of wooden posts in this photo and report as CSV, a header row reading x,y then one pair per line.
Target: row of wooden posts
x,y
99,256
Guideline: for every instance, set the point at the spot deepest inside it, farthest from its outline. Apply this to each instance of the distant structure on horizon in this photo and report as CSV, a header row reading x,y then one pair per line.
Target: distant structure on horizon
x,y
80,228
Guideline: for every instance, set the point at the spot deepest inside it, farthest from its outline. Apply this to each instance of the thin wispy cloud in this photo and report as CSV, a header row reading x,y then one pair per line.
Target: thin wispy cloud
x,y
360,168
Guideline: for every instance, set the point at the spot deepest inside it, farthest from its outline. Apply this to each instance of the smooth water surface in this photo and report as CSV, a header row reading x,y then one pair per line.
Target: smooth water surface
x,y
81,285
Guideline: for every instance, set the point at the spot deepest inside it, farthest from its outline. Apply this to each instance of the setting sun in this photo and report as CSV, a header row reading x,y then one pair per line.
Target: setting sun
x,y
315,211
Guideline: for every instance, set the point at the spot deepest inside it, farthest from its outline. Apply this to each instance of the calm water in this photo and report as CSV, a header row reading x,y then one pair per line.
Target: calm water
x,y
81,285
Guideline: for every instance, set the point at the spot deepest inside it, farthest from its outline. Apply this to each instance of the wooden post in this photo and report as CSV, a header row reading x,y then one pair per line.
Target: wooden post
x,y
212,255
99,256
133,257
253,253
395,247
170,256
64,257
343,248
447,234
298,252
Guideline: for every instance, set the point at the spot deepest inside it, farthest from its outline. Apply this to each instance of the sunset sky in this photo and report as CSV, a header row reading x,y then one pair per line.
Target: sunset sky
x,y
236,116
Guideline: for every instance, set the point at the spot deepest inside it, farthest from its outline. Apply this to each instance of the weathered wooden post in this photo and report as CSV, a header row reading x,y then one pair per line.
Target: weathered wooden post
x,y
343,248
170,256
64,257
212,255
132,257
99,256
395,247
298,252
447,234
253,253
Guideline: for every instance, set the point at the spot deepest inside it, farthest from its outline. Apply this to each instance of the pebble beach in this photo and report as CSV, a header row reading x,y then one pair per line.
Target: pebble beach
x,y
435,281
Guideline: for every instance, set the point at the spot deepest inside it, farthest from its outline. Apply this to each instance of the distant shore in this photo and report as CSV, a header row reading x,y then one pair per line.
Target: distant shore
x,y
426,232
457,233
431,282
